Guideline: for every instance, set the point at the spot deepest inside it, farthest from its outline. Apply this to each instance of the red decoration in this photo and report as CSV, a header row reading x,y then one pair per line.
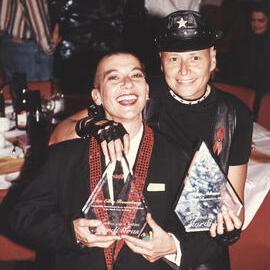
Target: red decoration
x,y
137,186
219,139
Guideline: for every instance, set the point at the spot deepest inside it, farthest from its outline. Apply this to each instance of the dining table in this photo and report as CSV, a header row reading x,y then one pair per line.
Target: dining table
x,y
16,147
258,176
252,250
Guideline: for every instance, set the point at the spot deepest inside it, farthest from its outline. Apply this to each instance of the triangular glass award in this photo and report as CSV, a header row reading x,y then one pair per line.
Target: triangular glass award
x,y
206,190
125,214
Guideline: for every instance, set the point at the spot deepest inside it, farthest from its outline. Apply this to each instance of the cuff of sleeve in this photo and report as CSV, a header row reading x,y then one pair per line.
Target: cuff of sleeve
x,y
175,258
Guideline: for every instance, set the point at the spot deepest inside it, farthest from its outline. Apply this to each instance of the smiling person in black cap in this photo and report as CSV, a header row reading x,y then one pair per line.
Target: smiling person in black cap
x,y
189,108
186,108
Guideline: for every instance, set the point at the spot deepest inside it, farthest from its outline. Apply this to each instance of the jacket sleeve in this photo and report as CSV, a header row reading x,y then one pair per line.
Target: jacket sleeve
x,y
35,219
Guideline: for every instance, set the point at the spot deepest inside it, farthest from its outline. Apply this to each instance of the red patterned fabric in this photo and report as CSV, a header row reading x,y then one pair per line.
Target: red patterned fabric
x,y
136,190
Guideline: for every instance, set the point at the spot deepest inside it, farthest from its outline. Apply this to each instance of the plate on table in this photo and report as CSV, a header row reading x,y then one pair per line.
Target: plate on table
x,y
10,165
6,180
11,162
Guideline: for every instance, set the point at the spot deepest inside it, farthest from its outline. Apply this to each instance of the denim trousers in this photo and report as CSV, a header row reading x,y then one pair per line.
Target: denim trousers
x,y
25,56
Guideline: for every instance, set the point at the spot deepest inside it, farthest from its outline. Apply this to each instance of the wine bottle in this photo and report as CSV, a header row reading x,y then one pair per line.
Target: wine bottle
x,y
2,103
36,123
20,99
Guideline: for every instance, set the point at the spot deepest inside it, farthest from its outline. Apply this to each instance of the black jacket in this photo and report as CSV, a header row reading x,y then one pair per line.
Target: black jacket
x,y
44,213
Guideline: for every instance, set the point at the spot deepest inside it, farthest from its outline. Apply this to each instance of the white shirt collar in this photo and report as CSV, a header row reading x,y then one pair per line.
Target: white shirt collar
x,y
131,157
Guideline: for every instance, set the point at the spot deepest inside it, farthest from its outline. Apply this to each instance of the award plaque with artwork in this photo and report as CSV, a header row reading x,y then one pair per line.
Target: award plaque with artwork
x,y
205,192
120,206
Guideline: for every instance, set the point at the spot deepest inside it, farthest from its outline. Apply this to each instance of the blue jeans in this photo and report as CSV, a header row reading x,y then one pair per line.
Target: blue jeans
x,y
26,57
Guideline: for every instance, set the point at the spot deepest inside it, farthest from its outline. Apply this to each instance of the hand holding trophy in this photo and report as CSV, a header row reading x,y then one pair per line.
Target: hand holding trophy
x,y
121,208
206,195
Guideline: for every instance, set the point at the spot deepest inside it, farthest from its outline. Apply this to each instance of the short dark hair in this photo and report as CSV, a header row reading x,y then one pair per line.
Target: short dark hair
x,y
112,53
261,7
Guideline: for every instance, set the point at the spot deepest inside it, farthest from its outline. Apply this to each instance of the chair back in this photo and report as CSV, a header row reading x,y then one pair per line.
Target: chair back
x,y
245,94
251,251
11,251
263,117
47,88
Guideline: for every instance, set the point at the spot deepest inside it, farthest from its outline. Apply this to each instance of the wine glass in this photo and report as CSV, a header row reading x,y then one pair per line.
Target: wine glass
x,y
4,126
53,106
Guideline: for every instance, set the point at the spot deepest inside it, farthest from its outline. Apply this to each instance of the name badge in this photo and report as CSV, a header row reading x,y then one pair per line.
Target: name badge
x,y
156,187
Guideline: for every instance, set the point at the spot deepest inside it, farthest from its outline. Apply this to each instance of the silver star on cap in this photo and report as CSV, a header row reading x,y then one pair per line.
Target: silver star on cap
x,y
182,23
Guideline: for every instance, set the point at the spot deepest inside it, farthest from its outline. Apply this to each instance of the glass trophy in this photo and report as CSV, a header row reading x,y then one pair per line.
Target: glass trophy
x,y
205,192
122,212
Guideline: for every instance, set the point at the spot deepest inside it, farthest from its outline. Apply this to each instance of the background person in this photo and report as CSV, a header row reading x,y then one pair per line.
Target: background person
x,y
28,41
249,62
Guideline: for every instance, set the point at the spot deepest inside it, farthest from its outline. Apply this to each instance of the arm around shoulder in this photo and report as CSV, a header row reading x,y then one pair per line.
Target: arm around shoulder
x,y
65,130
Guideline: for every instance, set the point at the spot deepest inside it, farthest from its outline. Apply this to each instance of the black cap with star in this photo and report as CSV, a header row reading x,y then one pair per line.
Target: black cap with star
x,y
185,30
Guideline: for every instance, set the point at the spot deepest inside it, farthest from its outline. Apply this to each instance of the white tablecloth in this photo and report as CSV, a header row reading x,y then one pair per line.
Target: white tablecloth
x,y
9,150
258,177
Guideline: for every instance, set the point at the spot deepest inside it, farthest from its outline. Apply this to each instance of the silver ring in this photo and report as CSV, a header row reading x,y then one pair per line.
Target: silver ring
x,y
80,244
